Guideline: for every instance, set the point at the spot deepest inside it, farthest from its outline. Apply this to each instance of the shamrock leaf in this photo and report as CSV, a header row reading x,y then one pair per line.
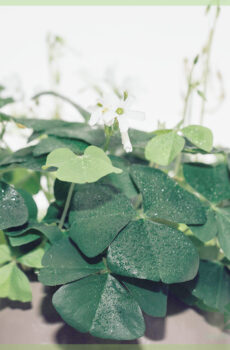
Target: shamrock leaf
x,y
200,136
207,231
90,167
11,202
152,251
163,149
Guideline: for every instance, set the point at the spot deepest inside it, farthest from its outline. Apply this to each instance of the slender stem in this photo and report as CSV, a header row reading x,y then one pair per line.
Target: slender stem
x,y
107,141
83,112
207,64
67,204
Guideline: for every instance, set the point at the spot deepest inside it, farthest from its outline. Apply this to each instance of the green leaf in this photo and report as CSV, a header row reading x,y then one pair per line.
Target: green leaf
x,y
100,225
151,297
30,203
13,210
212,285
90,167
60,128
122,182
164,148
101,306
63,263
200,136
5,254
153,251
164,199
209,180
23,239
14,284
32,258
207,231
5,101
23,179
51,143
23,158
223,224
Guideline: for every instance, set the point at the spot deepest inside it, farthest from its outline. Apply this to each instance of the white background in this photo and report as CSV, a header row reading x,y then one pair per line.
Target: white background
x,y
146,44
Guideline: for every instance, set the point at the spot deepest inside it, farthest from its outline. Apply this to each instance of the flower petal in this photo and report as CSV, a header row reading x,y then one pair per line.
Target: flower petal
x,y
123,123
126,142
135,115
95,118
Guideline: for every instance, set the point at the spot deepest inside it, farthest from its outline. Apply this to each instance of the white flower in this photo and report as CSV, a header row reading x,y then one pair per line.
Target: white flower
x,y
112,109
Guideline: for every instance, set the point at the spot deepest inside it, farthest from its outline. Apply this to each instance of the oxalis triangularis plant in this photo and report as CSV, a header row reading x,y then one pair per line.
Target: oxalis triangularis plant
x,y
135,216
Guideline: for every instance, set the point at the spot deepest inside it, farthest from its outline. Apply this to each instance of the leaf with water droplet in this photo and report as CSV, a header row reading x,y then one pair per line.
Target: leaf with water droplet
x,y
13,210
100,305
200,136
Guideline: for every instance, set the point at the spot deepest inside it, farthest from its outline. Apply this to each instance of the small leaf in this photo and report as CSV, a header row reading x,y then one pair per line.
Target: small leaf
x,y
90,167
164,148
13,210
200,136
100,225
156,252
14,284
23,239
63,263
101,306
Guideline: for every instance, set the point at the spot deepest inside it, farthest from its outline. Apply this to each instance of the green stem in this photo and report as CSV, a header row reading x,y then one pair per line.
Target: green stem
x,y
81,110
107,141
67,204
207,64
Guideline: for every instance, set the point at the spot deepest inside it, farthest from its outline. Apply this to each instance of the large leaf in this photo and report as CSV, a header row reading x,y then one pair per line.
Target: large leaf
x,y
24,179
14,284
13,210
63,263
100,225
163,198
211,181
90,167
51,143
163,149
153,251
152,297
100,305
200,136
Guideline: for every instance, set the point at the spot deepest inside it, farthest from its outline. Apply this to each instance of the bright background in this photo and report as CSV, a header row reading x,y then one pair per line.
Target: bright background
x,y
144,46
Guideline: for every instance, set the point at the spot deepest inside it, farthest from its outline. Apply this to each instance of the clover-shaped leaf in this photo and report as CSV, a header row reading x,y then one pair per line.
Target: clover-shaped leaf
x,y
200,136
164,246
92,300
13,210
90,167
